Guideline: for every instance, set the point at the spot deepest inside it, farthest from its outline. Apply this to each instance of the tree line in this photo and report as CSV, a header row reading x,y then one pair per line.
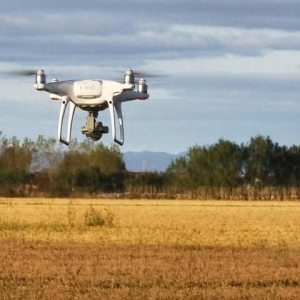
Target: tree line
x,y
259,169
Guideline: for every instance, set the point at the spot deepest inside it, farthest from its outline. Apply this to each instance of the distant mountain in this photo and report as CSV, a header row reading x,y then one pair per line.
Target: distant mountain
x,y
149,161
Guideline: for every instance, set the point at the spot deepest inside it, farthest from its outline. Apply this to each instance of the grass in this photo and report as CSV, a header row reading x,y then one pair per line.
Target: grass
x,y
138,249
169,223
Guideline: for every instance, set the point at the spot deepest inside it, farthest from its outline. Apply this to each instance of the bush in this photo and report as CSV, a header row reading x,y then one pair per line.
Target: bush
x,y
94,217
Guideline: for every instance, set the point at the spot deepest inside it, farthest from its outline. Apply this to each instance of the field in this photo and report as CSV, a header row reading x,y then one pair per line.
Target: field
x,y
138,249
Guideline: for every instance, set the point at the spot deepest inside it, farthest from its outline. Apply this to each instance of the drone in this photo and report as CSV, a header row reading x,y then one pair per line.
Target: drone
x,y
93,96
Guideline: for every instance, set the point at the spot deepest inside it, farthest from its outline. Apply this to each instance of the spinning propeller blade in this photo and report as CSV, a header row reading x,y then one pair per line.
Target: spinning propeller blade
x,y
147,75
142,74
21,72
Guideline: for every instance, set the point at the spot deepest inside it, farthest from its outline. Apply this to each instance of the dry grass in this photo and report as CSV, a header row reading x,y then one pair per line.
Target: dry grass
x,y
149,250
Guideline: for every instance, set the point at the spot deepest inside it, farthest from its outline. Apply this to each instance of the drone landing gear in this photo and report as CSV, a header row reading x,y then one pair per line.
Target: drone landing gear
x,y
93,129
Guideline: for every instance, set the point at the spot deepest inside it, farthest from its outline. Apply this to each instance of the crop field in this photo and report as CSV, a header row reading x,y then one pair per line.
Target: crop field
x,y
149,249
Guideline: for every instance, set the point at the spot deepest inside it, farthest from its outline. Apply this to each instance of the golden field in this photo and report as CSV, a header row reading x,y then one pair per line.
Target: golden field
x,y
150,249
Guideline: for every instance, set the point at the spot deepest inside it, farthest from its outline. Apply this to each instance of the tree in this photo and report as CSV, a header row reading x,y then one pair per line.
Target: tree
x,y
108,160
199,168
91,168
175,177
178,166
217,165
259,163
294,165
227,158
15,160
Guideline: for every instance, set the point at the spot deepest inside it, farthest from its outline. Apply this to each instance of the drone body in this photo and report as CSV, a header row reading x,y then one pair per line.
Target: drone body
x,y
92,96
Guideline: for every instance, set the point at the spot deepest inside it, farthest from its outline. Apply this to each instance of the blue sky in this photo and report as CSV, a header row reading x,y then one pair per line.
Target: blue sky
x,y
233,67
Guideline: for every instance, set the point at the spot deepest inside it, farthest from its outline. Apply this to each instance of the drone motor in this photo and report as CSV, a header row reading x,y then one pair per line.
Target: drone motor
x,y
40,77
142,88
129,77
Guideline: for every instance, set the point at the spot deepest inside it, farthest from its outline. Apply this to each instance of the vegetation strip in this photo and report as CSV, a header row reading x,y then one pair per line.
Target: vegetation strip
x,y
258,170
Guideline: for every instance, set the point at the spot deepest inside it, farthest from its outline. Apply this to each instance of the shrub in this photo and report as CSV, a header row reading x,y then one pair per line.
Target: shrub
x,y
94,217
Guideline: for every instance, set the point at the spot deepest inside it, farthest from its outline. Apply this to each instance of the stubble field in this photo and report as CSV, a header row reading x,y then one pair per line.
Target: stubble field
x,y
60,249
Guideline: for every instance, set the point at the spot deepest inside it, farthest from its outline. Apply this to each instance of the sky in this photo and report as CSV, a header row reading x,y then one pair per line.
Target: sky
x,y
231,67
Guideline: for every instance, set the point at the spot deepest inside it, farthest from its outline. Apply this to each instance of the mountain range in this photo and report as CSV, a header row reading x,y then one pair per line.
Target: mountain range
x,y
149,161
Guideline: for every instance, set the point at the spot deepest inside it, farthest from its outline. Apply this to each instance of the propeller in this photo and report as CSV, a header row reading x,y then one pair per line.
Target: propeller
x,y
143,74
21,72
147,75
138,75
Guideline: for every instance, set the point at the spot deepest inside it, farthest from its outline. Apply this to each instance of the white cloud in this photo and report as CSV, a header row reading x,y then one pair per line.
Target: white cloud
x,y
271,63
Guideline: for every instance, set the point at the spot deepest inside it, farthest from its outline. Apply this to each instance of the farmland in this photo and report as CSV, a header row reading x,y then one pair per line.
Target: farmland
x,y
148,249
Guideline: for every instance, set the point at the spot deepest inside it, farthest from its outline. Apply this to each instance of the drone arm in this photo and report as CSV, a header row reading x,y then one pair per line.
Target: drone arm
x,y
116,105
64,103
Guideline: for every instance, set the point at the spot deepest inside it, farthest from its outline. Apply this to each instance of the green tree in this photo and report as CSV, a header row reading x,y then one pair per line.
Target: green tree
x,y
108,160
227,162
90,167
217,165
175,177
178,166
294,165
15,161
259,160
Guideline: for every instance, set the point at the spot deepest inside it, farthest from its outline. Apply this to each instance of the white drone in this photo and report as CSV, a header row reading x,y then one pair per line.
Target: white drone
x,y
92,96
